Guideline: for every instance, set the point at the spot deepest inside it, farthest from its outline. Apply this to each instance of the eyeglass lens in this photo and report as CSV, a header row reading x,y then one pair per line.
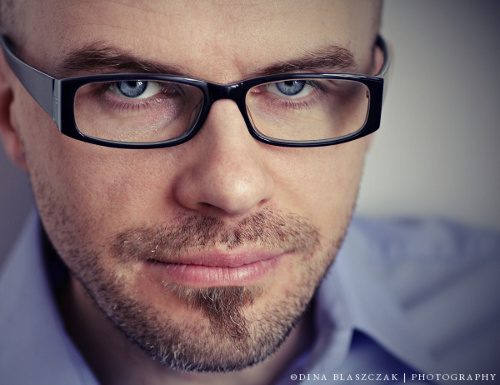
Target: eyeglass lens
x,y
154,111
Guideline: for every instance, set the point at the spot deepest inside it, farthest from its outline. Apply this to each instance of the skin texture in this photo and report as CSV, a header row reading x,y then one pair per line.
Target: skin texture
x,y
105,210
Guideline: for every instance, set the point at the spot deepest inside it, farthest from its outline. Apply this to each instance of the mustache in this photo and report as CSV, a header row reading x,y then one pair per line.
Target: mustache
x,y
223,306
269,229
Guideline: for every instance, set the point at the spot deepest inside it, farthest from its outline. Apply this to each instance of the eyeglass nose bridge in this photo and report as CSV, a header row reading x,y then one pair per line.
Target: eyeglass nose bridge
x,y
234,92
214,92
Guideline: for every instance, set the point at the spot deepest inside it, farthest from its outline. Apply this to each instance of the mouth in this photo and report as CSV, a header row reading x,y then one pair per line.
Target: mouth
x,y
216,269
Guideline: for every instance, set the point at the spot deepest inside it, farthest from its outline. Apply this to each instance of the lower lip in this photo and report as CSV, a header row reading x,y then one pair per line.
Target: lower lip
x,y
211,276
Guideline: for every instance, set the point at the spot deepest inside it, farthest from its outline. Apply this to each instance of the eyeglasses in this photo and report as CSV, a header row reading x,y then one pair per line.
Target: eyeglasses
x,y
152,110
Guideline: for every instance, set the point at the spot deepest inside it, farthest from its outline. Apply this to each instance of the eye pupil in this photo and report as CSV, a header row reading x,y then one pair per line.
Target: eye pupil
x,y
132,89
291,87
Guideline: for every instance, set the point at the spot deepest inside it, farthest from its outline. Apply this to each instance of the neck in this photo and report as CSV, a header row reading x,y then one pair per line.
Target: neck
x,y
115,360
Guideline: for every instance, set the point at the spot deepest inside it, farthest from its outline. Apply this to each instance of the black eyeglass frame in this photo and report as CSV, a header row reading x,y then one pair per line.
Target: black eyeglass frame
x,y
56,97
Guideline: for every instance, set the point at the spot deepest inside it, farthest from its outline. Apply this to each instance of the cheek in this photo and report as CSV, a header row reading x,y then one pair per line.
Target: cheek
x,y
85,191
112,187
324,183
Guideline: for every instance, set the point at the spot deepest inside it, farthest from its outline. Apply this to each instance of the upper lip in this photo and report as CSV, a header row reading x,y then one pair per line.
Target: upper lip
x,y
220,259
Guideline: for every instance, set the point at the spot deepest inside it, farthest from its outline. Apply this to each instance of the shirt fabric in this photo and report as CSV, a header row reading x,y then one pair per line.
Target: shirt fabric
x,y
406,301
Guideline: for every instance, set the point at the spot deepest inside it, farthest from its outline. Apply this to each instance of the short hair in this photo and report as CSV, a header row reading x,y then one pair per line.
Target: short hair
x,y
12,15
6,7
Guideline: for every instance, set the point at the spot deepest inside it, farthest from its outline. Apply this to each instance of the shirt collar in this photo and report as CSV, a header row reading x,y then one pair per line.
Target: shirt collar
x,y
352,298
35,347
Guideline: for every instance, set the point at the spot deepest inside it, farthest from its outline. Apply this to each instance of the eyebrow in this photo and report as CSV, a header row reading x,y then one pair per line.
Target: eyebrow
x,y
97,58
332,58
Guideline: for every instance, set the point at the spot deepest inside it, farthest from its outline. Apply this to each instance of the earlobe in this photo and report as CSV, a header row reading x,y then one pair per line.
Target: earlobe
x,y
8,129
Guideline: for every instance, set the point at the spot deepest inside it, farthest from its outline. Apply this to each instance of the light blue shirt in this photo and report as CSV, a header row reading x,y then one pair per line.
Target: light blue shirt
x,y
406,301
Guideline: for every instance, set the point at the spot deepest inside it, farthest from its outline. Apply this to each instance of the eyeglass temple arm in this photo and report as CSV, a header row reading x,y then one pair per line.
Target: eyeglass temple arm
x,y
40,84
384,71
36,82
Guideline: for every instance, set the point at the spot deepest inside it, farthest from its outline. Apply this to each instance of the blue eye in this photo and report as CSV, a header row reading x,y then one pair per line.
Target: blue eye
x,y
136,89
132,89
291,87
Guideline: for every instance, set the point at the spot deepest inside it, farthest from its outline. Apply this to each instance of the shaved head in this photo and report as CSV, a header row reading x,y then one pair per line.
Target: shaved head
x,y
10,14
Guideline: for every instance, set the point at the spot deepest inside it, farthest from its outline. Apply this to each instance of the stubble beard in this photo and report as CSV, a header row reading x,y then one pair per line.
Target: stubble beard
x,y
230,335
227,333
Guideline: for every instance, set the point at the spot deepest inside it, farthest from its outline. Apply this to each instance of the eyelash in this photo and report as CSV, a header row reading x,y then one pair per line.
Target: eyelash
x,y
130,105
297,104
289,105
141,104
133,105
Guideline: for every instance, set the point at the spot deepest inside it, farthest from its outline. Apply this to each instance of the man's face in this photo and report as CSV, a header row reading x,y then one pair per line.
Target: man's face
x,y
207,253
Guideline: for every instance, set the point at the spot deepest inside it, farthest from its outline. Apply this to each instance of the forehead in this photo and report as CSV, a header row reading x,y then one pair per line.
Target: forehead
x,y
223,38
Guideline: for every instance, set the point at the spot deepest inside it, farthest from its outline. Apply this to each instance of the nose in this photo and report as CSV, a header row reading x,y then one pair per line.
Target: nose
x,y
225,171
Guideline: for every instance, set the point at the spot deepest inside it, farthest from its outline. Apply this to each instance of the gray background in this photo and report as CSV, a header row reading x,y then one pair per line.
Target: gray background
x,y
437,153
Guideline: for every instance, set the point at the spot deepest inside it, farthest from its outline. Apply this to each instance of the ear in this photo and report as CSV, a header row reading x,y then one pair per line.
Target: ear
x,y
9,132
378,59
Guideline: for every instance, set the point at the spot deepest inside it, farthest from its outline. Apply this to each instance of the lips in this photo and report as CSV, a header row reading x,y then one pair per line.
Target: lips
x,y
216,269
